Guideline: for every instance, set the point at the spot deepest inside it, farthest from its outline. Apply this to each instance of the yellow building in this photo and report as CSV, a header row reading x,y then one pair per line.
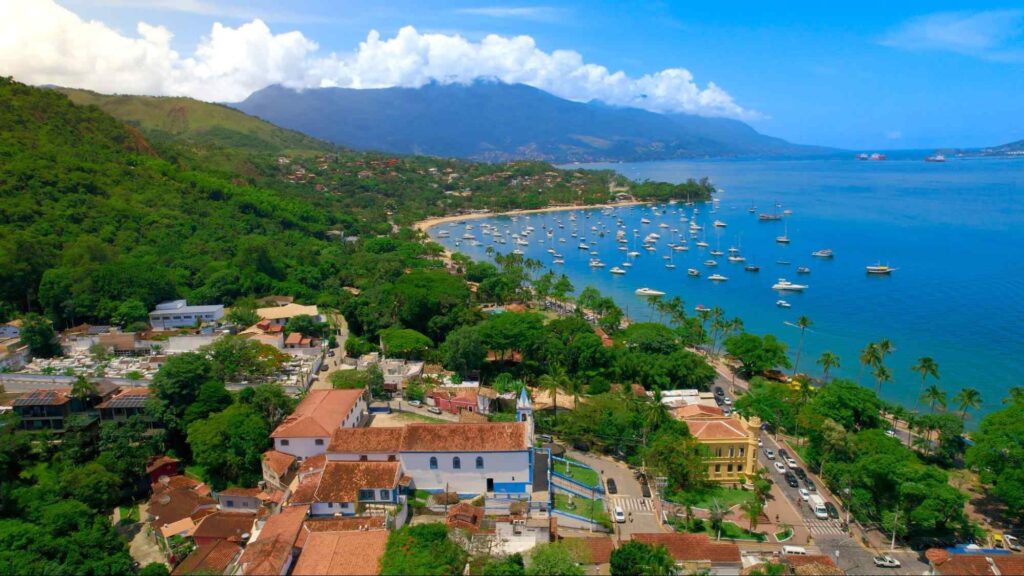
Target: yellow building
x,y
731,441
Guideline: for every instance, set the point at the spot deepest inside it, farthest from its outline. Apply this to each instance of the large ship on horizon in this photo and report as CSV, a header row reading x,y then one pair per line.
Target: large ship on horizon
x,y
935,158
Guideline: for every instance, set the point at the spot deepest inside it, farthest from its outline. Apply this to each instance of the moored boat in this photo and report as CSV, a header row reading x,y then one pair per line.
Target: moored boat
x,y
786,285
648,292
823,253
880,269
717,278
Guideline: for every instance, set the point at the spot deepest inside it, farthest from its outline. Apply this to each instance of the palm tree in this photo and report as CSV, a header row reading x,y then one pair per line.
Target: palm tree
x,y
869,358
967,398
717,512
803,323
882,374
926,367
82,388
717,324
752,509
550,384
934,396
704,315
1016,395
828,361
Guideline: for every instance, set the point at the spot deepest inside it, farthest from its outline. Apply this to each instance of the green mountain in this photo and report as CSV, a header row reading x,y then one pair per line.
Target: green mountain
x,y
198,123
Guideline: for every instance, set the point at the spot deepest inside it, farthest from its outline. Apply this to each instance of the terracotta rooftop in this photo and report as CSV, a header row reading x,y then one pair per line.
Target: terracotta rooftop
x,y
244,492
175,482
979,564
312,464
174,504
209,559
346,524
287,311
490,437
319,414
225,526
278,462
813,565
55,397
717,429
305,491
271,550
342,553
693,547
465,516
159,461
697,410
341,481
367,440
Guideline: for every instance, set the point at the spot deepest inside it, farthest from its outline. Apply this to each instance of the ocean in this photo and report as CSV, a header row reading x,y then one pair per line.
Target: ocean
x,y
954,231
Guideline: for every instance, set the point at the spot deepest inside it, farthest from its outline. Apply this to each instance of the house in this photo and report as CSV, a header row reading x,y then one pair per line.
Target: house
x,y
280,315
278,469
453,401
308,429
176,509
221,525
10,329
465,516
345,486
212,558
178,314
594,554
518,534
265,333
162,466
13,353
730,442
342,553
276,545
53,409
241,499
695,552
125,404
300,340
973,562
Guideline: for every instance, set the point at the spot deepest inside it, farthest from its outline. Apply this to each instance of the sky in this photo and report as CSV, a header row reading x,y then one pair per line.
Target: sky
x,y
857,75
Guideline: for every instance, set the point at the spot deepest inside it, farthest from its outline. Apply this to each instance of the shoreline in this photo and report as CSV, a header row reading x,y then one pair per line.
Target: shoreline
x,y
425,225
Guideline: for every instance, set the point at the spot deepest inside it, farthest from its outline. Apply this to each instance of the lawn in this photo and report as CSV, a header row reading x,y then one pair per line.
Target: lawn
x,y
129,514
419,499
581,473
414,417
730,531
727,497
585,507
784,535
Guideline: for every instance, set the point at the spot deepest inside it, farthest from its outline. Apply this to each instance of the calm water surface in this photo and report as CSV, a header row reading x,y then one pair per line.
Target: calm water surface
x,y
954,231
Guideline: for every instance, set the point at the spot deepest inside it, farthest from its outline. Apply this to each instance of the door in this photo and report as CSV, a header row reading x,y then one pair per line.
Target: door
x,y
490,484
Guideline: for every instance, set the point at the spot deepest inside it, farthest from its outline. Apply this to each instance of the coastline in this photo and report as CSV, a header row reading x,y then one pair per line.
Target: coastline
x,y
425,225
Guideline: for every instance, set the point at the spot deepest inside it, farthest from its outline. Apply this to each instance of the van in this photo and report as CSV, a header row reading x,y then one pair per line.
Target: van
x,y
794,551
817,504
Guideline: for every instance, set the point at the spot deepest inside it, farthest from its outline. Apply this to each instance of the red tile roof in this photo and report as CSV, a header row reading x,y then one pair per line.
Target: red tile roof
x,y
175,504
279,462
174,482
159,461
346,524
305,492
342,553
320,413
697,410
717,429
465,516
271,550
243,492
209,559
367,440
490,437
693,547
225,526
598,550
342,481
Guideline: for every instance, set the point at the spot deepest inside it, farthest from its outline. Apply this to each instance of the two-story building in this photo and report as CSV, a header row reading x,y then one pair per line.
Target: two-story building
x,y
128,402
729,442
178,314
307,431
52,409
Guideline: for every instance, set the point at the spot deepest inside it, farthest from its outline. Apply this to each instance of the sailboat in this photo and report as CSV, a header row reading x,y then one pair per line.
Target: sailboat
x,y
784,239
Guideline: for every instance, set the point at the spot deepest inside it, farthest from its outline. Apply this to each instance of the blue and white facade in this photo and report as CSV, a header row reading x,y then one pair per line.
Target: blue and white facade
x,y
178,314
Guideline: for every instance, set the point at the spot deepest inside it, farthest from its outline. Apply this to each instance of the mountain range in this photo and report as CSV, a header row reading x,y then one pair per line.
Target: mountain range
x,y
493,121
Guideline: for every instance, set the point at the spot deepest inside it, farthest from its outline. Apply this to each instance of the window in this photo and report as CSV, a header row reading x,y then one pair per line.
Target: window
x,y
456,463
742,450
229,503
365,495
385,495
718,468
739,468
718,452
479,462
319,441
728,468
433,462
330,504
284,442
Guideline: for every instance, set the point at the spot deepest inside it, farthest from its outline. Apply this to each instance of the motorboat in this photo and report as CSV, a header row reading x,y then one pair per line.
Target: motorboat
x,y
880,269
645,221
617,270
784,239
737,258
558,261
717,278
584,246
720,224
632,254
693,272
803,270
670,266
783,262
769,217
786,285
648,292
733,250
702,308
716,253
782,304
680,248
595,263
702,244
627,264
824,253
752,268
710,263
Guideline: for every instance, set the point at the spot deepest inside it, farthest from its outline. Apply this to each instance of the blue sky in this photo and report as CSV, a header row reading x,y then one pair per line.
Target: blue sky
x,y
858,75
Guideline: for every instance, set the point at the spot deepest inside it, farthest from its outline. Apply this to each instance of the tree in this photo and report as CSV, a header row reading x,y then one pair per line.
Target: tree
x,y
424,549
511,565
934,396
828,361
154,569
967,399
235,358
229,445
271,401
355,379
405,343
82,388
869,357
757,354
463,351
752,509
717,511
554,559
92,484
926,367
803,323
997,453
306,325
678,458
175,387
131,312
882,374
37,333
213,397
635,558
126,446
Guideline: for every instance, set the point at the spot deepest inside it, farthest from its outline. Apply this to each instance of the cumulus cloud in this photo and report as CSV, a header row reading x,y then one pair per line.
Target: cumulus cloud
x,y
43,43
992,34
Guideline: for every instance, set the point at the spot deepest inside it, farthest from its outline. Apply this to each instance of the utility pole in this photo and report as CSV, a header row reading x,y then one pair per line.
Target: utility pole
x,y
895,524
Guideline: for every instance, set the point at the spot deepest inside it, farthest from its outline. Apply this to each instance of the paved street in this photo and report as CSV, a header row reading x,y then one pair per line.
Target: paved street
x,y
640,515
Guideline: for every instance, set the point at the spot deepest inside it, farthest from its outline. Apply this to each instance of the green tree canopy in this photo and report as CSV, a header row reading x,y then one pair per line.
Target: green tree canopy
x,y
229,445
405,343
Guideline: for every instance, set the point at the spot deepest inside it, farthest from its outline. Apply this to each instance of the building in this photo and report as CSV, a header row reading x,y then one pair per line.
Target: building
x,y
177,506
342,553
307,431
162,466
53,409
730,442
278,469
221,525
276,545
10,329
125,404
346,486
265,333
696,552
280,315
973,562
213,558
178,314
237,499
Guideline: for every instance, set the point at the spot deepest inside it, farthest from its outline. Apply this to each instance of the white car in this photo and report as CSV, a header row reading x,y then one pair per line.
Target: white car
x,y
728,401
769,454
792,463
620,516
760,443
886,562
780,468
890,433
804,494
415,403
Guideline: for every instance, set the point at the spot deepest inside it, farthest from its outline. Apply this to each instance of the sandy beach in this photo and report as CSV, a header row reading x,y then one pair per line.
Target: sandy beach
x,y
426,225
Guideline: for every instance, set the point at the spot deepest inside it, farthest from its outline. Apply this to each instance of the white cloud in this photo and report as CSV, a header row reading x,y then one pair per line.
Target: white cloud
x,y
523,12
43,43
993,34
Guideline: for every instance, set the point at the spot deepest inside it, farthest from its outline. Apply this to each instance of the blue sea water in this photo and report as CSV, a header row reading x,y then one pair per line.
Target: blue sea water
x,y
954,231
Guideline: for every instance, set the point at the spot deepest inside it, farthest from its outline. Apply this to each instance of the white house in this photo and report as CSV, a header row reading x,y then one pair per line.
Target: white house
x,y
307,431
178,314
280,315
345,485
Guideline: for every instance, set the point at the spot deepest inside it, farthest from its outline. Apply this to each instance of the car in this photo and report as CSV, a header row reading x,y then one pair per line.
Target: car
x,y
760,443
611,487
783,453
620,516
581,446
886,562
728,401
769,454
645,489
415,403
800,473
804,494
719,401
544,437
792,463
324,368
809,484
726,412
833,512
1012,542
434,410
780,468
330,353
719,391
792,481
890,433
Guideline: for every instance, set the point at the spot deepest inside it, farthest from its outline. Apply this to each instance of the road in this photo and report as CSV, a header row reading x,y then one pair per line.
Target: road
x,y
640,515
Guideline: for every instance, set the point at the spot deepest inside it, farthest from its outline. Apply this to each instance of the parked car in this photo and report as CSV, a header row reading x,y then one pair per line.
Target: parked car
x,y
645,488
800,473
719,391
728,401
780,468
1012,542
890,433
620,516
324,368
792,481
887,562
810,485
544,437
769,453
783,453
792,463
804,494
611,487
760,443
330,353
833,512
718,400
415,403
434,410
